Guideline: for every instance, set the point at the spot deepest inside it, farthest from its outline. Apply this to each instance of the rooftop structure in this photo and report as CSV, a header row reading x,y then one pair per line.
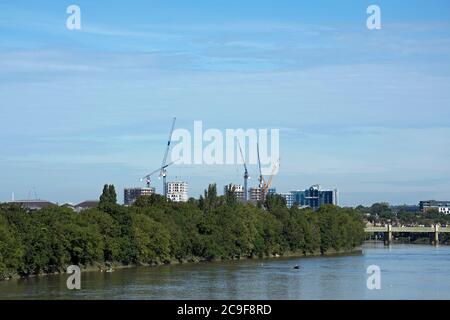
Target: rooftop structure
x,y
35,204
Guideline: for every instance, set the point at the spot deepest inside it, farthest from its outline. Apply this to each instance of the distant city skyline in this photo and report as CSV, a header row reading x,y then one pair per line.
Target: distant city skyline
x,y
362,111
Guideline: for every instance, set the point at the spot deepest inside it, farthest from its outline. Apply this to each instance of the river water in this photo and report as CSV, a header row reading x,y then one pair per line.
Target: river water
x,y
407,272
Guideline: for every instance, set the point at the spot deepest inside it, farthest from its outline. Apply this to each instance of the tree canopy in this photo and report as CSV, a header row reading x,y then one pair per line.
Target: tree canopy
x,y
155,231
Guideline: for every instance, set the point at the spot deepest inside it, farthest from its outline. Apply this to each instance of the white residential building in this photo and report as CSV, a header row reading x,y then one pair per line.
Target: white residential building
x,y
177,191
289,197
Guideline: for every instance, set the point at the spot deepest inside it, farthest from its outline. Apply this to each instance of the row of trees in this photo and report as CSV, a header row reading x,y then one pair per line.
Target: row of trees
x,y
155,231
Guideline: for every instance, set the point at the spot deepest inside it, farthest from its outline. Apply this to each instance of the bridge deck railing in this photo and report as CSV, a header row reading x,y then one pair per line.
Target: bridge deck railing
x,y
407,229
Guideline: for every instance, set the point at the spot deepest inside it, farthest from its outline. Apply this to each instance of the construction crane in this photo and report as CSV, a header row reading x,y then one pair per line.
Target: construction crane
x,y
267,184
163,169
163,172
263,184
147,178
261,178
246,176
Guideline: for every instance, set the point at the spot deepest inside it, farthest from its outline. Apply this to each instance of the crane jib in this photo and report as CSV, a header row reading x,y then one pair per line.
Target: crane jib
x,y
162,169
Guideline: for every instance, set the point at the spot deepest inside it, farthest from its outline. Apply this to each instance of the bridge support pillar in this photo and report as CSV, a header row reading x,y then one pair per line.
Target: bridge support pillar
x,y
435,236
388,235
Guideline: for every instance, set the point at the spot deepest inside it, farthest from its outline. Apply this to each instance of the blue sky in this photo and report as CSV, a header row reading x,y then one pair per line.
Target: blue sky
x,y
364,111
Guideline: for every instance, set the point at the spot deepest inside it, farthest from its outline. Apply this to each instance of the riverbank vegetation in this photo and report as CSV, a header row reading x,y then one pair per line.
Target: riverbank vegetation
x,y
156,231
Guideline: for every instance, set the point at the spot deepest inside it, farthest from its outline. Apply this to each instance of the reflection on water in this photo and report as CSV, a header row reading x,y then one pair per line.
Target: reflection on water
x,y
407,272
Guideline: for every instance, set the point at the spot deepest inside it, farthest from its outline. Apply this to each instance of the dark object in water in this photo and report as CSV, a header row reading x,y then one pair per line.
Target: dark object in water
x,y
297,267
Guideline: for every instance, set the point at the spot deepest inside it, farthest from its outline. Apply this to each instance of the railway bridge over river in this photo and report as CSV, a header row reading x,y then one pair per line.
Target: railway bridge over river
x,y
388,231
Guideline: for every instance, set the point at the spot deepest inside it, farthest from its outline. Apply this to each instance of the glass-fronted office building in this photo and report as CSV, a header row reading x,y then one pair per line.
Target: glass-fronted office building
x,y
313,197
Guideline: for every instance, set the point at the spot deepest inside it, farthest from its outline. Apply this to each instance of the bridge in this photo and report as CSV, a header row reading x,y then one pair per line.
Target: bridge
x,y
388,230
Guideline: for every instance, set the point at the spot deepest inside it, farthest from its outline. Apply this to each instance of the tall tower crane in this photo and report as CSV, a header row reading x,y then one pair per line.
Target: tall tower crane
x,y
163,169
246,176
263,184
163,172
261,178
267,184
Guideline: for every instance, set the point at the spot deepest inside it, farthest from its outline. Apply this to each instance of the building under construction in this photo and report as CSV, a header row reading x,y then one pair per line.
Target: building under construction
x,y
130,195
260,193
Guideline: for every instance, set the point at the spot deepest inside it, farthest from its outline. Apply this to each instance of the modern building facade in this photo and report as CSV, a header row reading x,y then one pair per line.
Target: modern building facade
x,y
254,194
131,194
289,197
237,189
177,191
314,197
441,206
257,193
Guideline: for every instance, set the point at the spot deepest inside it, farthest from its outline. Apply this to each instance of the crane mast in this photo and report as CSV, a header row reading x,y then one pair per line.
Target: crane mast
x,y
263,184
261,178
246,176
268,183
163,169
163,172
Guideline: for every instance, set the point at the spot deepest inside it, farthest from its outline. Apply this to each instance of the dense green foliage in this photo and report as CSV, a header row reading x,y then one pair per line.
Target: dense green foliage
x,y
155,231
108,198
